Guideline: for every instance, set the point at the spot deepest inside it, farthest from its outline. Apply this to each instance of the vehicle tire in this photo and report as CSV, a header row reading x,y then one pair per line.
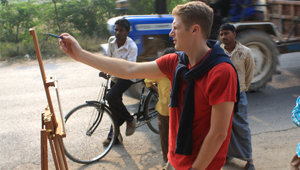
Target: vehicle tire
x,y
81,147
149,111
265,55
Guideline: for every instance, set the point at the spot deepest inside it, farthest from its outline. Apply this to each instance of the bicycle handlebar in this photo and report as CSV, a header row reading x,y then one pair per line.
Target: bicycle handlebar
x,y
107,76
104,75
139,81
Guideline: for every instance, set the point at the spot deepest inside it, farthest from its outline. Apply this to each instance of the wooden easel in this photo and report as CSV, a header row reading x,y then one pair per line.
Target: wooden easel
x,y
53,128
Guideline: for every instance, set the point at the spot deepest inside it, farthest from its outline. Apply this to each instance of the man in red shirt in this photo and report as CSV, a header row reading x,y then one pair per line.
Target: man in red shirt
x,y
204,87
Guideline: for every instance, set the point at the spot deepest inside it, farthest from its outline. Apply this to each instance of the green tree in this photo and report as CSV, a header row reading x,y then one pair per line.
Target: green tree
x,y
16,19
139,7
47,18
4,1
172,3
88,17
56,15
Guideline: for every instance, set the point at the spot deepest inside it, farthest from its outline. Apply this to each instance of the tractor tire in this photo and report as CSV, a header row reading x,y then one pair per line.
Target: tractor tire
x,y
265,55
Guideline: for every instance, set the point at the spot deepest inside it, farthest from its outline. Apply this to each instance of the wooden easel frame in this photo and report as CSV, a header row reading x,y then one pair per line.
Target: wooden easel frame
x,y
52,128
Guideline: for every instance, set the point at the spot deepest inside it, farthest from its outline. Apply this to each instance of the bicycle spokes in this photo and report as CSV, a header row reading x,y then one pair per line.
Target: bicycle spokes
x,y
94,123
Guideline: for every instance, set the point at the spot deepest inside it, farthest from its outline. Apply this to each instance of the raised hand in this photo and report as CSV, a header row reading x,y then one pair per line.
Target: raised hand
x,y
70,45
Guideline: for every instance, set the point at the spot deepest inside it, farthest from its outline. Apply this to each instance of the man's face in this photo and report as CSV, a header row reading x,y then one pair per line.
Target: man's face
x,y
180,34
120,32
227,36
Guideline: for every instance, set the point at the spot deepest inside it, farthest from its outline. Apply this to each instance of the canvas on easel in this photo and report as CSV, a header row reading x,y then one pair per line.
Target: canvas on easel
x,y
53,129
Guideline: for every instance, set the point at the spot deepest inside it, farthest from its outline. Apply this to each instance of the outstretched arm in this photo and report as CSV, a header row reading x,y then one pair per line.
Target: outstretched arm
x,y
249,66
117,67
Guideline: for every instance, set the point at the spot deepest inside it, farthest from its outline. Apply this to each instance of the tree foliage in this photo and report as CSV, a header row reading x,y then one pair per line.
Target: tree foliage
x,y
88,17
15,19
85,18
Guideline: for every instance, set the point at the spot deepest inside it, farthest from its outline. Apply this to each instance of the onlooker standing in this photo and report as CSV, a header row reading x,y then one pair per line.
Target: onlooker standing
x,y
242,58
123,47
295,163
162,106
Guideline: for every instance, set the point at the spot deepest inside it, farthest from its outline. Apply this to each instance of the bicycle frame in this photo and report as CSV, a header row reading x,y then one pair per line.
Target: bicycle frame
x,y
101,101
139,113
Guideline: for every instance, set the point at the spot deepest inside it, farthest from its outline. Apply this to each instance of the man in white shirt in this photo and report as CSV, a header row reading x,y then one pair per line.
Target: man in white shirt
x,y
123,47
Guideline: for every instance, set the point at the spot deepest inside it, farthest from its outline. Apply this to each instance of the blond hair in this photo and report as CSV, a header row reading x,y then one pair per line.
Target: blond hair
x,y
195,12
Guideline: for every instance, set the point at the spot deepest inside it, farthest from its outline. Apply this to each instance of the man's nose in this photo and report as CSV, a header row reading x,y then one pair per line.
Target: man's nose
x,y
171,33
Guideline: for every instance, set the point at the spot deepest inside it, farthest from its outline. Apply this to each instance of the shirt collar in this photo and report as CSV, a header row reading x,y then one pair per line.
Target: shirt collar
x,y
238,48
125,44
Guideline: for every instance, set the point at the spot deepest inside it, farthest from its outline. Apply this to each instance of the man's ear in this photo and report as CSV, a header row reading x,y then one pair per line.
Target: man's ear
x,y
127,33
195,28
234,33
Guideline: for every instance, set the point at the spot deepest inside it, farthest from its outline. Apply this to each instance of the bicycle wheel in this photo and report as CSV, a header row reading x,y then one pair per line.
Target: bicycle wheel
x,y
87,126
149,111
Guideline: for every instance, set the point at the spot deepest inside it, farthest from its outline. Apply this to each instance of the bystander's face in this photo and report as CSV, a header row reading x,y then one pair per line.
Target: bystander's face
x,y
180,34
227,37
120,32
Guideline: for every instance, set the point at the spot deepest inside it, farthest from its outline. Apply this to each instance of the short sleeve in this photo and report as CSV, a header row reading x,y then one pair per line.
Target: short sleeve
x,y
222,84
167,64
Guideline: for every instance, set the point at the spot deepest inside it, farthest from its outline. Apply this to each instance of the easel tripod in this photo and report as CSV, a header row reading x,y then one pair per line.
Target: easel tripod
x,y
52,128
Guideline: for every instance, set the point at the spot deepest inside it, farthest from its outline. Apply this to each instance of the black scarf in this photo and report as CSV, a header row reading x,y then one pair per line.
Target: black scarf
x,y
184,141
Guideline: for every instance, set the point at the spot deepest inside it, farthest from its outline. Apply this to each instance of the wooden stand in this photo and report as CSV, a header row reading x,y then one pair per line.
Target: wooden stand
x,y
52,128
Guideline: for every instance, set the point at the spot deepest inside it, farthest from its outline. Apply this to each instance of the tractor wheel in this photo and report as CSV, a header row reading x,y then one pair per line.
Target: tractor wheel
x,y
265,55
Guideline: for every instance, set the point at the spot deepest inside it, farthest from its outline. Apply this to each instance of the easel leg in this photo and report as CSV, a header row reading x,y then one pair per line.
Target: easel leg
x,y
59,158
59,153
44,149
53,152
63,155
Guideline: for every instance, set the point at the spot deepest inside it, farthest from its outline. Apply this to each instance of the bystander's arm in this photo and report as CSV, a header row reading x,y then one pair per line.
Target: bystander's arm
x,y
249,68
114,66
220,120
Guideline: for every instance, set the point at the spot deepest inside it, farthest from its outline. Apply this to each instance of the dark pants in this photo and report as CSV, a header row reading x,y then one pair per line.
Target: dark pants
x,y
115,101
163,125
240,142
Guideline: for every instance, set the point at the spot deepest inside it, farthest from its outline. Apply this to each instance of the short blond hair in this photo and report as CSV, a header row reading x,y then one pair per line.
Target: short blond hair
x,y
195,12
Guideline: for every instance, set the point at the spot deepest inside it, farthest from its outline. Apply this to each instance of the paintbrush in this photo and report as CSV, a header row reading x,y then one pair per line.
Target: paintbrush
x,y
56,36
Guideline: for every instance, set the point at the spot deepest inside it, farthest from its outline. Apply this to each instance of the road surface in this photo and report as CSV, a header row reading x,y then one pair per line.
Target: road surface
x,y
22,100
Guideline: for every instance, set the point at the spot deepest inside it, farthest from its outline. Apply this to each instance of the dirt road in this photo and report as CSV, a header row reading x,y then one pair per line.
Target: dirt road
x,y
22,99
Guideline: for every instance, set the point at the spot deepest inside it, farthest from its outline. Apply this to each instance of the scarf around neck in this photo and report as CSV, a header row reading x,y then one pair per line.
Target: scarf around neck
x,y
184,141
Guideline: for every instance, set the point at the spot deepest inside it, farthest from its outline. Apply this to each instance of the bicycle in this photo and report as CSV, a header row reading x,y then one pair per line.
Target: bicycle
x,y
87,125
